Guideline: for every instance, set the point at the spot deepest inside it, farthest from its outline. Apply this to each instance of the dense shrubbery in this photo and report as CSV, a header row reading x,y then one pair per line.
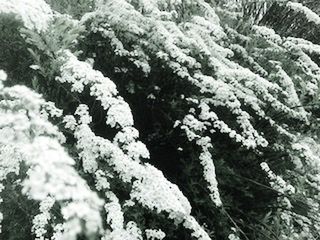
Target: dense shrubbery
x,y
158,119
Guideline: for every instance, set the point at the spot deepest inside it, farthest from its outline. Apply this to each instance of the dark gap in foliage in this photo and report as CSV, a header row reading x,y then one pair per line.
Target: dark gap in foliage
x,y
14,56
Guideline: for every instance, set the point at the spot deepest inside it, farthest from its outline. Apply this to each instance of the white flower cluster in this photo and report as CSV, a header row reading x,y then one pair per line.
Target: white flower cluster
x,y
186,42
209,171
142,30
243,53
268,34
35,14
172,43
309,150
32,139
80,74
233,88
155,234
193,128
234,234
115,219
287,85
41,220
308,224
306,159
307,77
305,45
49,109
277,182
310,15
196,230
149,187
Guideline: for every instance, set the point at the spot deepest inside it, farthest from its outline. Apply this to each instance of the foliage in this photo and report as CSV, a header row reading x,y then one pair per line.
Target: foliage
x,y
159,119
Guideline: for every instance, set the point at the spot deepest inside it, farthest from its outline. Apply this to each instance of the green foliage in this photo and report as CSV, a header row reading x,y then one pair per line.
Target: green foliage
x,y
62,34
